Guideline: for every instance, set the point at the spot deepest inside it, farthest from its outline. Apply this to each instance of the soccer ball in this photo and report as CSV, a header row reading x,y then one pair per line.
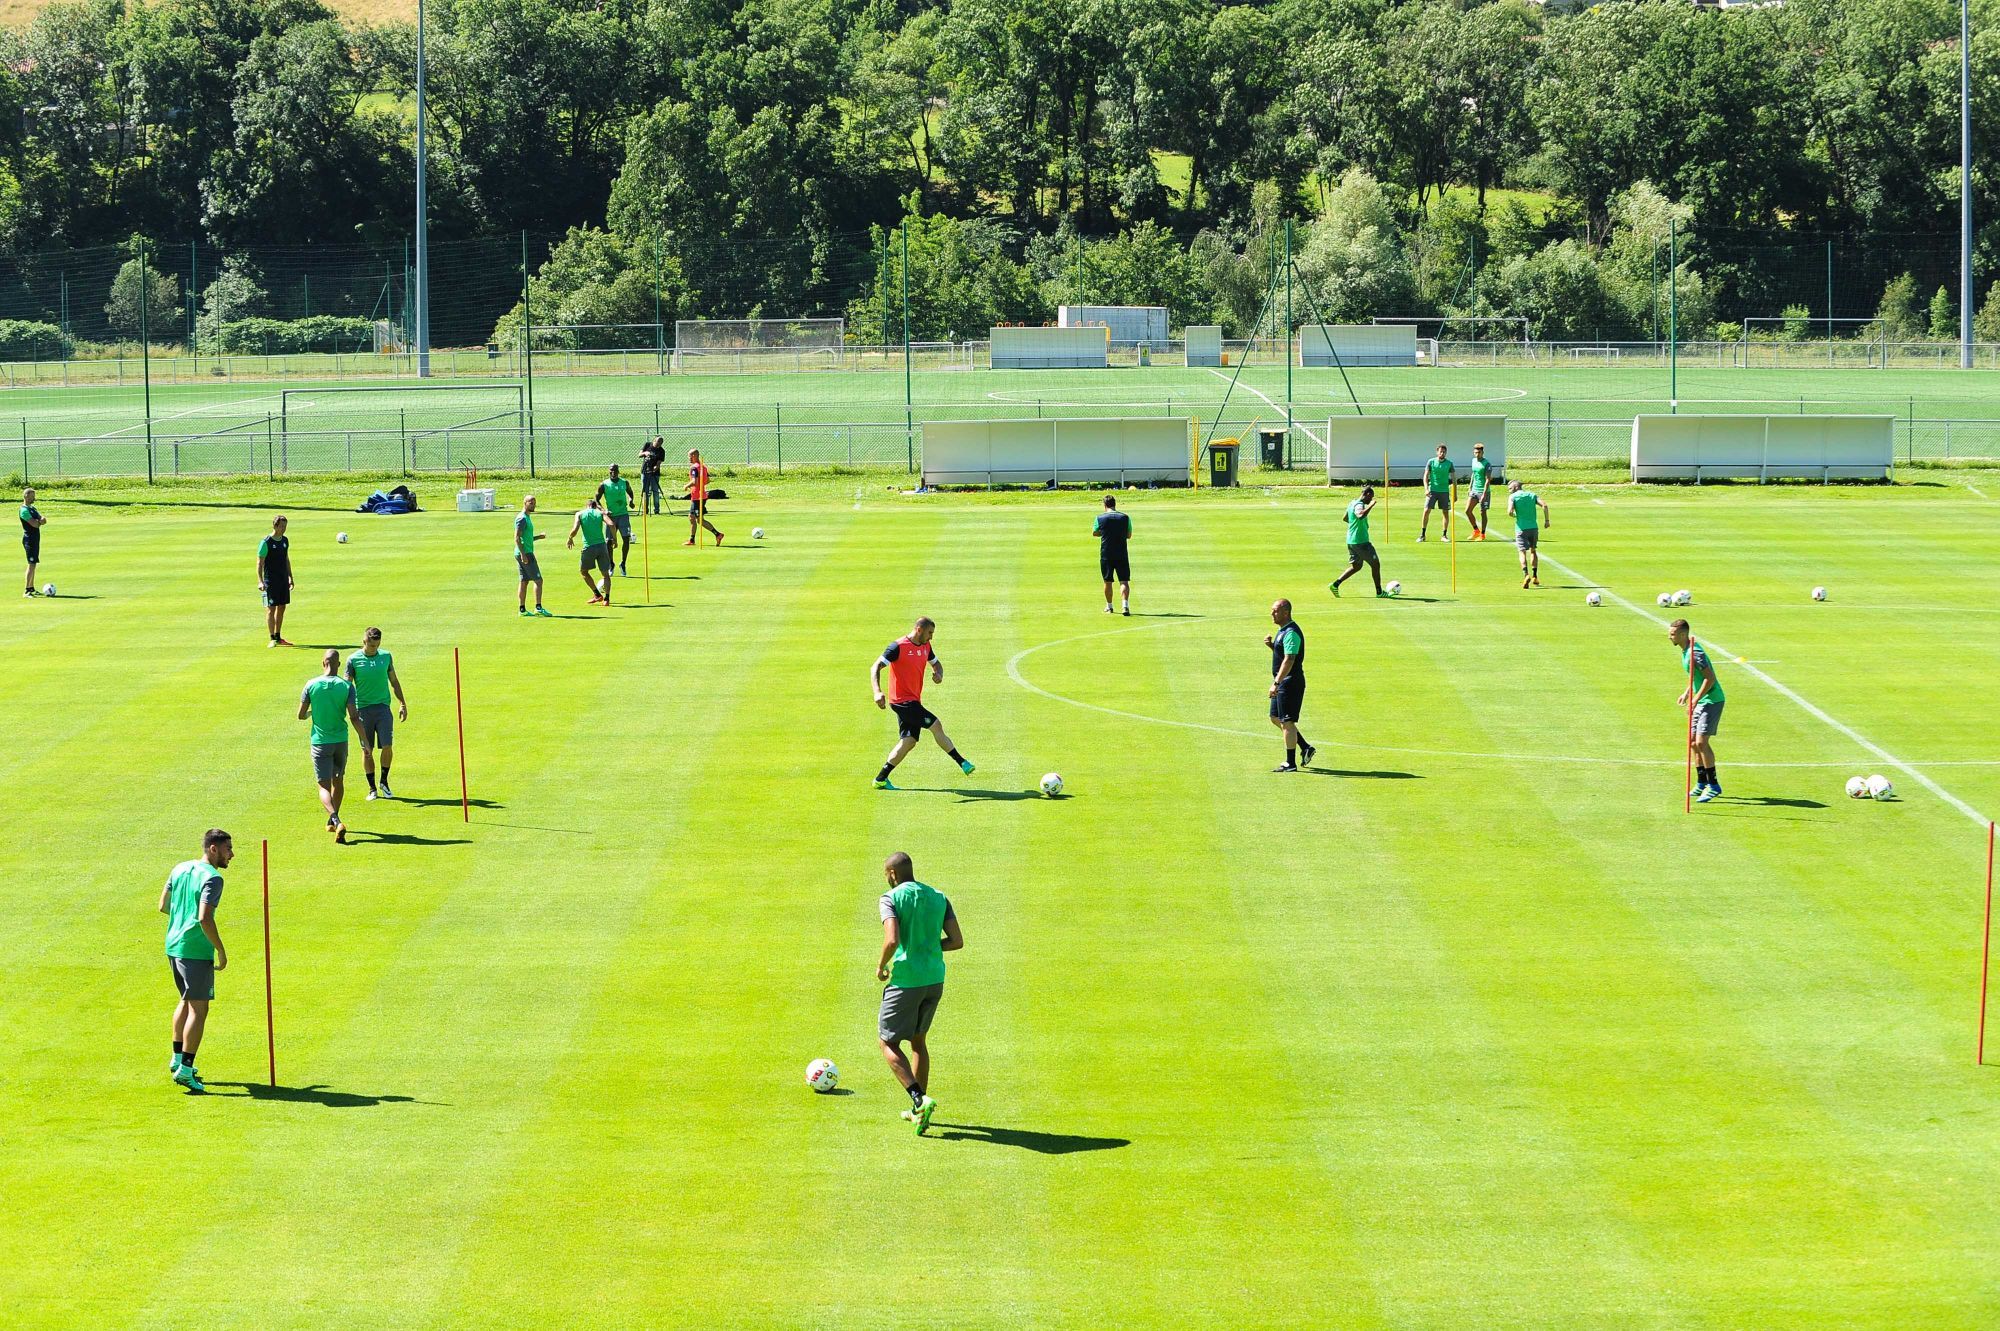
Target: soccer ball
x,y
822,1075
342,538
1666,599
1879,787
1593,598
1857,787
1819,593
1683,597
756,533
1052,784
1394,589
48,589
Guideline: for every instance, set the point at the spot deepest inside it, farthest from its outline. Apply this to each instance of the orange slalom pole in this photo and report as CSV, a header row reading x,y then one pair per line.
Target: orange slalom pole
x,y
1448,515
270,1028
458,689
1687,788
1985,947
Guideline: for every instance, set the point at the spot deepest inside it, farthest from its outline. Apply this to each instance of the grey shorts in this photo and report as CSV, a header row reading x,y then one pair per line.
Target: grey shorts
x,y
193,979
1482,498
623,522
530,567
329,761
596,559
378,726
1364,553
1707,718
907,1013
1436,499
1524,539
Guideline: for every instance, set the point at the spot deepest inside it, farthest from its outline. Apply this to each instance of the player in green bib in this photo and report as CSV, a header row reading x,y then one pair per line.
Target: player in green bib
x,y
32,523
1437,493
1705,719
328,702
1527,531
194,947
615,493
1360,550
1479,493
918,928
525,563
596,554
372,671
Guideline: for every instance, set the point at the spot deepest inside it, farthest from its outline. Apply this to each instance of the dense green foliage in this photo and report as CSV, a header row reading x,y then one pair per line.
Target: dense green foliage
x,y
749,145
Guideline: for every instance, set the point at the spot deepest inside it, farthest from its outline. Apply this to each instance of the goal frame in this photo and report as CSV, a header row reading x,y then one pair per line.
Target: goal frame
x,y
519,412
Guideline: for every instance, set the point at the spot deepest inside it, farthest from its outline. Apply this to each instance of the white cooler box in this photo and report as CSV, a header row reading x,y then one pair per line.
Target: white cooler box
x,y
475,501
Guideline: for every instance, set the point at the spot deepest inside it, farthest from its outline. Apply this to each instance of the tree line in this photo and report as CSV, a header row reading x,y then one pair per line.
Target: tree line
x,y
729,157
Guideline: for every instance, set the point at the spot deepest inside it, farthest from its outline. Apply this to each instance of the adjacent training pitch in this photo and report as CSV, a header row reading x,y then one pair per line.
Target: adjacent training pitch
x,y
1469,1027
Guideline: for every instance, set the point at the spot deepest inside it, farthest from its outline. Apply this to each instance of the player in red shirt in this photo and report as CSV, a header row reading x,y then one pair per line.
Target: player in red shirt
x,y
697,497
907,659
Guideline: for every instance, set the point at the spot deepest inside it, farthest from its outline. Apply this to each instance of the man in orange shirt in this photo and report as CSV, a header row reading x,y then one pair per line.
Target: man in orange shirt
x,y
698,498
907,658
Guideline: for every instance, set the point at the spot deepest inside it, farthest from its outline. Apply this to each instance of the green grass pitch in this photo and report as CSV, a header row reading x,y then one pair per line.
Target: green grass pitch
x,y
1472,1027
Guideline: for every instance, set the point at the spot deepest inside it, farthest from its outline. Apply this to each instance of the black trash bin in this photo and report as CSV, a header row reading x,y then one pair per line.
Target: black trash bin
x,y
1271,447
1222,461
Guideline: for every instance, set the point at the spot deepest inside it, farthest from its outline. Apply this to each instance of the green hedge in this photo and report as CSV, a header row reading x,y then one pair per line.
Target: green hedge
x,y
259,337
24,339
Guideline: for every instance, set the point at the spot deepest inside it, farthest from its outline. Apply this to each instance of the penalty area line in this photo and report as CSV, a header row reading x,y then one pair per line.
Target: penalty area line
x,y
1806,704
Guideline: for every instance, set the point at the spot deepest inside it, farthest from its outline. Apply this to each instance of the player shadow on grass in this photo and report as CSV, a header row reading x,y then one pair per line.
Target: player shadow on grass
x,y
1773,802
1366,775
969,796
361,837
1042,1143
208,503
313,1095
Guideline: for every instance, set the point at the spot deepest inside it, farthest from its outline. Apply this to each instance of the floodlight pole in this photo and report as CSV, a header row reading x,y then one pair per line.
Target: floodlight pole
x,y
1673,316
909,402
423,293
1288,337
1964,184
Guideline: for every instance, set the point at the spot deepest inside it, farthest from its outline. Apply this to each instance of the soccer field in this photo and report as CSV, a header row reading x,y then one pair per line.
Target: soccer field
x,y
1469,1027
1557,411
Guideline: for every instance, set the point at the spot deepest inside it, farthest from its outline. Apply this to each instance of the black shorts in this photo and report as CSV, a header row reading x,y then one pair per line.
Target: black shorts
x,y
912,719
697,508
1364,553
1289,700
1115,568
31,545
279,595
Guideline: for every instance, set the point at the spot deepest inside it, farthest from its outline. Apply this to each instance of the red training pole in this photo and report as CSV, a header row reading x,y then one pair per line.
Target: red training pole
x,y
270,1029
458,688
1985,947
1687,789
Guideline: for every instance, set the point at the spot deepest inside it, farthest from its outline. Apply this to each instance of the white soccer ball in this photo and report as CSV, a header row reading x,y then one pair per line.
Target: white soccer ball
x,y
756,533
1879,787
1683,597
1052,784
1857,787
342,538
1819,593
48,589
1666,599
1394,589
1593,598
822,1075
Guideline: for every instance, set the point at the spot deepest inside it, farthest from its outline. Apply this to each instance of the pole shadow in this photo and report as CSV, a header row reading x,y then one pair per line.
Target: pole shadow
x,y
64,596
361,837
439,803
530,827
313,1095
1042,1143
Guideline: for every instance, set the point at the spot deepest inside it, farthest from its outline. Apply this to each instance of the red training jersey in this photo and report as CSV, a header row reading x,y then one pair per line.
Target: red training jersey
x,y
698,480
908,662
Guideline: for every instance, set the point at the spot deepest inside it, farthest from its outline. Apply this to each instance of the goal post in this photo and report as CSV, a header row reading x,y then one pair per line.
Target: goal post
x,y
477,415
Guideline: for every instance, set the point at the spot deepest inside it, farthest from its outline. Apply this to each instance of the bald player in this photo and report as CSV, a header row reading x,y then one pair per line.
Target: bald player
x,y
907,660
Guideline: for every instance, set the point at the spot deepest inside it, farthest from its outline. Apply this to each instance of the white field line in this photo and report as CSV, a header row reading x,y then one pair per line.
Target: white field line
x,y
1324,446
1014,673
191,411
1810,708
